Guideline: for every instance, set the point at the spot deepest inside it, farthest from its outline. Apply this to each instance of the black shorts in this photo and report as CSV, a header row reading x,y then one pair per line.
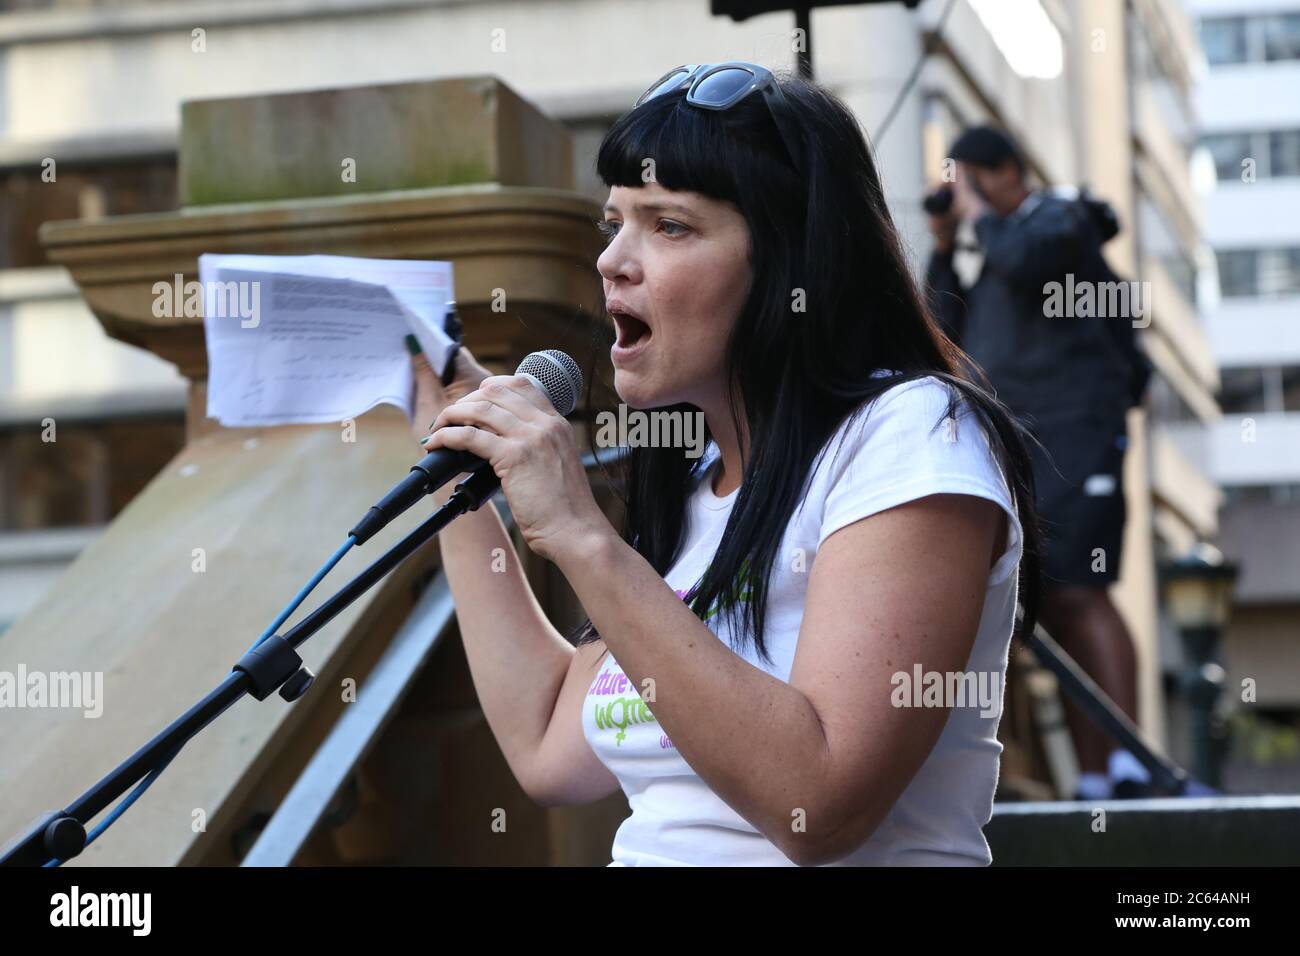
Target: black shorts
x,y
1080,493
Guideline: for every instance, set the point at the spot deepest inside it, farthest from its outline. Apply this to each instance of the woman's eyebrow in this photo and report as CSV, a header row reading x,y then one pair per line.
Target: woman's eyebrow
x,y
652,207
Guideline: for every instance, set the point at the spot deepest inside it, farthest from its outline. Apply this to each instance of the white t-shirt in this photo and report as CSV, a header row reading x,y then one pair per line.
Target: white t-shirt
x,y
891,455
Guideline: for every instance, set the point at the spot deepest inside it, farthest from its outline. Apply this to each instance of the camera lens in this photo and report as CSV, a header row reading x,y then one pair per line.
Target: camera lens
x,y
938,202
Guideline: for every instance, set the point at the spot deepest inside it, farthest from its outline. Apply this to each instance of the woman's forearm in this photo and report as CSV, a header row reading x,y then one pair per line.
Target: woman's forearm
x,y
517,659
771,767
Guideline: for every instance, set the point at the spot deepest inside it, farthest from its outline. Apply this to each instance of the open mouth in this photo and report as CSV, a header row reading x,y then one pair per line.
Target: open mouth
x,y
631,330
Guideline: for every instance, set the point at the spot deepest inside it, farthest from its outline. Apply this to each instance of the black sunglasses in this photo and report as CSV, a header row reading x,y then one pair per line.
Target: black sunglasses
x,y
720,86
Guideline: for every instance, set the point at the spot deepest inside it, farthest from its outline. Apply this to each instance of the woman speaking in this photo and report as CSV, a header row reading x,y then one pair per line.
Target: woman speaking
x,y
786,639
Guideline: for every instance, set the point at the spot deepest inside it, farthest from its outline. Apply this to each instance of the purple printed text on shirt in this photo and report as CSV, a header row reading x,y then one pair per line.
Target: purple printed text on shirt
x,y
609,683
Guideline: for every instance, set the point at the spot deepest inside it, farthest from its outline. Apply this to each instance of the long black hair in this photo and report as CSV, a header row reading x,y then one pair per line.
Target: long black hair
x,y
823,239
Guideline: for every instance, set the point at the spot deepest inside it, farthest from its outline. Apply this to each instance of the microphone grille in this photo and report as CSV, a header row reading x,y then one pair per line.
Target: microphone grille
x,y
557,375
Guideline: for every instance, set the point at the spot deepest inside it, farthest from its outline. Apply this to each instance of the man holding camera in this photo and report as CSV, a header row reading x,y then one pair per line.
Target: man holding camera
x,y
1070,380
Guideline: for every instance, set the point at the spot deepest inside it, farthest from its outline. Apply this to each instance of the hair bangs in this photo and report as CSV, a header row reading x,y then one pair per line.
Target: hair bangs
x,y
680,147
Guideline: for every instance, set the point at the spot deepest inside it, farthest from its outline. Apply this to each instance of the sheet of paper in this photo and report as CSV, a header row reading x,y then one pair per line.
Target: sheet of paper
x,y
311,339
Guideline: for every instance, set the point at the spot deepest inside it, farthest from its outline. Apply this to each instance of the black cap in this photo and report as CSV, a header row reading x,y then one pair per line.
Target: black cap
x,y
986,146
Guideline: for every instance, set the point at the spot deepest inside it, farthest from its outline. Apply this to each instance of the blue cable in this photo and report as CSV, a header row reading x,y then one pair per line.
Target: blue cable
x,y
122,807
144,784
307,589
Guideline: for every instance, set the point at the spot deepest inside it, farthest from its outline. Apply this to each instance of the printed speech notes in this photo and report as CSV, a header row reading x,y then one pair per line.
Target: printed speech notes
x,y
296,340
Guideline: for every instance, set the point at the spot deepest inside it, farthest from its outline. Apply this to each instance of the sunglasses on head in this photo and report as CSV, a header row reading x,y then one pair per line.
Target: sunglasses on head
x,y
720,86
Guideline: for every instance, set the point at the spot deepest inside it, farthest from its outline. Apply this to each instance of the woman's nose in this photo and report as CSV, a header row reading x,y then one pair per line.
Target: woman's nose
x,y
617,261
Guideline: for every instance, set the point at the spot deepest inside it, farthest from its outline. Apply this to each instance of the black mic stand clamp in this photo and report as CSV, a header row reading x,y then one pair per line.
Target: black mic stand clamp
x,y
274,663
474,490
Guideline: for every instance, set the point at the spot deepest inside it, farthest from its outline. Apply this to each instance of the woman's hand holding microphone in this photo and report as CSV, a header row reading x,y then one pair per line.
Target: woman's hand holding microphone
x,y
507,422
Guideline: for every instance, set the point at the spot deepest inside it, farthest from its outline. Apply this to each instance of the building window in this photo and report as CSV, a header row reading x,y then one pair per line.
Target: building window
x,y
1261,494
1224,40
1228,151
1266,273
1284,153
1237,272
1276,153
1251,39
1241,390
1290,388
1270,388
1279,271
1282,37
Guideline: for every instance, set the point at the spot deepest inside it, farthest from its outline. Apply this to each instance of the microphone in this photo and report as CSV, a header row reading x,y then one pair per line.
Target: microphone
x,y
552,372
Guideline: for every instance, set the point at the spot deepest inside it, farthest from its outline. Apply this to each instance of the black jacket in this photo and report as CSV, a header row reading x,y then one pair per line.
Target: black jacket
x,y
1051,369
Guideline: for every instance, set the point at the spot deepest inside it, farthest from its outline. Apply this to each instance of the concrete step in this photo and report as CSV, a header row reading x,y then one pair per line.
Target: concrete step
x,y
1199,831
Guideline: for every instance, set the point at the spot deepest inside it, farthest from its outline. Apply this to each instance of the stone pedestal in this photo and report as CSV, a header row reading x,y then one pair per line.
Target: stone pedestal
x,y
191,572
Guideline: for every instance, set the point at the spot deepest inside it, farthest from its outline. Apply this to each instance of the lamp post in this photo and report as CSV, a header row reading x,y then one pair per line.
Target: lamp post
x,y
1197,591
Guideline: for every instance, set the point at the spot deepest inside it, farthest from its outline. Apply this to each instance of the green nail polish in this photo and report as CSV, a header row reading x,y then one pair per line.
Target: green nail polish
x,y
413,345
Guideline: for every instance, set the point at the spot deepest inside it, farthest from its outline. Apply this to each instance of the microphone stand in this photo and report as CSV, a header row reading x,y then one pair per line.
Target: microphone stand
x,y
273,664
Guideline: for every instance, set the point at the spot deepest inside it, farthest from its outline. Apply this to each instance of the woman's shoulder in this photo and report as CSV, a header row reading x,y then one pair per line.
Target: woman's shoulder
x,y
903,407
917,438
924,424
